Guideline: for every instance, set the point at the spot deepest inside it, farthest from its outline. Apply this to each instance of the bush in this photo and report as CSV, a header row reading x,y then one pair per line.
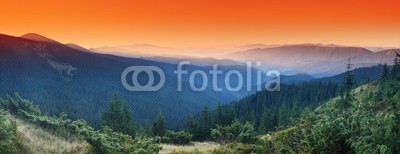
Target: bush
x,y
115,142
8,133
180,138
13,105
236,132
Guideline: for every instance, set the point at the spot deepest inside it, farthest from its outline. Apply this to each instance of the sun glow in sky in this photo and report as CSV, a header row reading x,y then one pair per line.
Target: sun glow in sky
x,y
206,23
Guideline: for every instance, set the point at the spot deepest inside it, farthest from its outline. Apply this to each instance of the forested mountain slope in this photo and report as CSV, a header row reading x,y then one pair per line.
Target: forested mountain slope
x,y
281,107
365,120
361,75
59,78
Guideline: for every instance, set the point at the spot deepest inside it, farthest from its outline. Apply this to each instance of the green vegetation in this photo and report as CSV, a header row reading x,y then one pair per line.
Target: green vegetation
x,y
266,121
8,134
282,108
162,135
366,127
118,117
236,132
347,97
201,126
179,138
159,126
205,125
105,141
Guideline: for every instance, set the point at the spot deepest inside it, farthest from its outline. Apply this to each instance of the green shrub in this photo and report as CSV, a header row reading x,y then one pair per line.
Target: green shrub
x,y
17,103
8,133
180,137
115,142
236,132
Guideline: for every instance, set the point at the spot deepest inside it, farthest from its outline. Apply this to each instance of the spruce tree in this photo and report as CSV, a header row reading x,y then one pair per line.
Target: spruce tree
x,y
219,118
159,126
395,84
283,118
231,115
348,85
265,124
385,73
118,117
205,124
191,125
396,66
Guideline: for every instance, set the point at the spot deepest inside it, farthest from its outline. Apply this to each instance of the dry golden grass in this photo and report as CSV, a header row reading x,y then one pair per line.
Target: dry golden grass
x,y
195,147
34,139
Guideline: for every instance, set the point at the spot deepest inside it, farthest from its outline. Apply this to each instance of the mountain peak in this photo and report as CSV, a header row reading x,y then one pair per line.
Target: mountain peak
x,y
37,37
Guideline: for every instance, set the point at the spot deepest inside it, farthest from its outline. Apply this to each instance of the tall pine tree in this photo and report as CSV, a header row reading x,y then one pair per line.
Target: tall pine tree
x,y
283,115
118,117
348,85
219,118
395,84
385,73
396,66
191,125
159,126
266,121
205,124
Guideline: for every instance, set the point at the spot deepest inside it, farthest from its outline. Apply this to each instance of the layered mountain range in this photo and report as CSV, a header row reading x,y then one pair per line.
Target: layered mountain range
x,y
318,60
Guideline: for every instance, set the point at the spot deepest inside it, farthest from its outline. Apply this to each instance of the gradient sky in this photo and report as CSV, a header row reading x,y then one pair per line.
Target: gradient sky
x,y
206,23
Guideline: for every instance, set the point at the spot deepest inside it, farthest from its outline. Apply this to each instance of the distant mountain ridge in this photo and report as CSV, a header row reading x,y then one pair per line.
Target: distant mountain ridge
x,y
196,61
313,59
149,50
318,60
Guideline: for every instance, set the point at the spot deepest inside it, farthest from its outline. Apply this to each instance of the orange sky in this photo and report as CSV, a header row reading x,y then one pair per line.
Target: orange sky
x,y
206,23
